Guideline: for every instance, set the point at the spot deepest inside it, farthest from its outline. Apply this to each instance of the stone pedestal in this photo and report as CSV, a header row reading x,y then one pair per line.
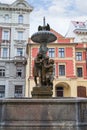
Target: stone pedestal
x,y
42,92
43,114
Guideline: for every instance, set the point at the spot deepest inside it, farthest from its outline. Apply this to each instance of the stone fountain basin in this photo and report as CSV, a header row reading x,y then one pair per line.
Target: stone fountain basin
x,y
43,37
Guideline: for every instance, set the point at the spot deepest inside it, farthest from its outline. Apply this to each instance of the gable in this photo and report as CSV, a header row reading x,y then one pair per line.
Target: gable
x,y
21,4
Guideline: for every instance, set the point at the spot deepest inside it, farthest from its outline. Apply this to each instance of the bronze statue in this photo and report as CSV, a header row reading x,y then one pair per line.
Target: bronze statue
x,y
37,69
43,66
40,28
43,69
49,69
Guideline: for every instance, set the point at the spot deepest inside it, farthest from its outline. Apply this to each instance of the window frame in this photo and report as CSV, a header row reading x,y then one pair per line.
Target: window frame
x,y
2,92
61,52
5,52
20,19
20,35
51,52
6,35
18,92
2,72
79,56
19,72
80,74
19,51
6,18
61,70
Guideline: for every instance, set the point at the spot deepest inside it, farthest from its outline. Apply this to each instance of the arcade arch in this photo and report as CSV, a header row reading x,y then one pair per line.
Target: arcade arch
x,y
62,89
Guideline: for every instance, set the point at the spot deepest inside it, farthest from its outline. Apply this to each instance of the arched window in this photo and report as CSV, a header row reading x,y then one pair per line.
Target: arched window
x,y
20,19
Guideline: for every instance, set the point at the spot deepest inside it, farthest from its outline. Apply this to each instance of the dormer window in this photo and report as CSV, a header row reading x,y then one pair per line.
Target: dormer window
x,y
20,19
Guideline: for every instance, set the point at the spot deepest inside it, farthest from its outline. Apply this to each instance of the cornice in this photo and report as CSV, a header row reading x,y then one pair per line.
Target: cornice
x,y
14,24
14,9
15,6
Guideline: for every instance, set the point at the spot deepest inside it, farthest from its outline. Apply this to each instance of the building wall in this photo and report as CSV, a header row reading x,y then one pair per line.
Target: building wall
x,y
14,62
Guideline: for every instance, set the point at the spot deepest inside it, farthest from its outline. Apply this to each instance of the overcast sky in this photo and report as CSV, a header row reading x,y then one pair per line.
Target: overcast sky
x,y
58,13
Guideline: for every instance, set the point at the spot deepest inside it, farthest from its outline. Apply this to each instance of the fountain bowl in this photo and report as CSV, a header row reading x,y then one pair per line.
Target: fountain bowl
x,y
43,37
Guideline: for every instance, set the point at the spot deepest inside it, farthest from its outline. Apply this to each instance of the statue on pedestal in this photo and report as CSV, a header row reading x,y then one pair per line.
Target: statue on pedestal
x,y
43,65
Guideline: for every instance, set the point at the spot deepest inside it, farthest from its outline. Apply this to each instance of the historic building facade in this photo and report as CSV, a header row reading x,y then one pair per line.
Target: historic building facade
x,y
14,33
70,74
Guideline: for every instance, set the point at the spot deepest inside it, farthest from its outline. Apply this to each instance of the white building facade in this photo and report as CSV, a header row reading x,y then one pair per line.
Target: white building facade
x,y
78,30
14,33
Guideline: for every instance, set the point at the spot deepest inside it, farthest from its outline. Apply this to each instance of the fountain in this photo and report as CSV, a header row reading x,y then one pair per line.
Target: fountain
x,y
43,66
42,112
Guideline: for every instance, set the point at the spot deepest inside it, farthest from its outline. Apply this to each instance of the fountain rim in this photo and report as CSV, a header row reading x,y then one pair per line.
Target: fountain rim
x,y
43,32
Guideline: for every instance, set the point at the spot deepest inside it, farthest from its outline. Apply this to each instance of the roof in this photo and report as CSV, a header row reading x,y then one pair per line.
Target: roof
x,y
61,38
79,24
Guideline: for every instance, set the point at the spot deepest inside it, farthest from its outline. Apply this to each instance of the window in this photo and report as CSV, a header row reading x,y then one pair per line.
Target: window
x,y
51,52
18,91
6,35
2,91
19,51
20,19
54,70
59,91
61,70
2,72
5,52
19,72
6,18
79,72
61,52
79,56
20,35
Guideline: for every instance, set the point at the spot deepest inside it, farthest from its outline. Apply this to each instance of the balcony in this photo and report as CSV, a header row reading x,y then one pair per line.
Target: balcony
x,y
20,41
5,42
20,59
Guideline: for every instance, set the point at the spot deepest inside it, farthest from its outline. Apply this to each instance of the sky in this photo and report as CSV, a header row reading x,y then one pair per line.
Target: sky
x,y
58,13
